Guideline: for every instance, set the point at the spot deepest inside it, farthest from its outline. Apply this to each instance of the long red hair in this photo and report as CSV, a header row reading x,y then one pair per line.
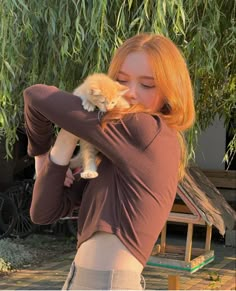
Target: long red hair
x,y
170,74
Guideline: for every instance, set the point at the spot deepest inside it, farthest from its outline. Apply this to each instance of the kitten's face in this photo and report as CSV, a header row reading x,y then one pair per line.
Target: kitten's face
x,y
105,94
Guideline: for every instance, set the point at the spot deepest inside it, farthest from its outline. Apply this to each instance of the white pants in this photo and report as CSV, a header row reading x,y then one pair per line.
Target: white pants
x,y
87,279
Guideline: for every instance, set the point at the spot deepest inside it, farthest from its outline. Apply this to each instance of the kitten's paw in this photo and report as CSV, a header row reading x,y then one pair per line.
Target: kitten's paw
x,y
88,106
89,174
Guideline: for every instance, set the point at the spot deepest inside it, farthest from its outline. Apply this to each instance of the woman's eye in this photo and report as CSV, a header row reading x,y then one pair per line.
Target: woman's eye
x,y
121,81
148,86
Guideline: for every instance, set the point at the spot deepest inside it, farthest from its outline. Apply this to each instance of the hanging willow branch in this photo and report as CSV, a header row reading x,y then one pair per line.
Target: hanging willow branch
x,y
61,42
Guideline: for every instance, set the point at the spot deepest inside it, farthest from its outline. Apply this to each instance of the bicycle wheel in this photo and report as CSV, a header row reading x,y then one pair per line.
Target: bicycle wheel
x,y
8,215
21,195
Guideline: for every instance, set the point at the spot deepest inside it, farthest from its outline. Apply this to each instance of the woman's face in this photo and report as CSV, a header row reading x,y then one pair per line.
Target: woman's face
x,y
136,73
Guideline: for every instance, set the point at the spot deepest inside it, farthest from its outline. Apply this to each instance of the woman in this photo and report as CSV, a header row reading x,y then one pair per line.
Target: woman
x,y
125,208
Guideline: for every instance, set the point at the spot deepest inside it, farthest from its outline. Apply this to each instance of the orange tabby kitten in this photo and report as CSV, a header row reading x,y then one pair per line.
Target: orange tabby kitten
x,y
100,91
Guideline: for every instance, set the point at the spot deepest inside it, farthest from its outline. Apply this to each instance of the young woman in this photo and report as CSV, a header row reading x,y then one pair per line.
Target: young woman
x,y
143,152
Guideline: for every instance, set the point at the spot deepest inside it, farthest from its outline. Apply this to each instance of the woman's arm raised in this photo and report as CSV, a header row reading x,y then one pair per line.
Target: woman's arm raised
x,y
45,105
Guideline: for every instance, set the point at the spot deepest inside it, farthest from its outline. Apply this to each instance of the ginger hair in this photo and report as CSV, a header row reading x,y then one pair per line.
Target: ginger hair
x,y
171,75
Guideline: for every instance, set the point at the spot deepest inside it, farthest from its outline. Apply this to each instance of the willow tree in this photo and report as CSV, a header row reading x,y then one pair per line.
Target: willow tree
x,y
60,42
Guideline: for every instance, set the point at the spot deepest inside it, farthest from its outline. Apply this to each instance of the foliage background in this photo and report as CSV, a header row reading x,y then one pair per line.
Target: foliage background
x,y
59,42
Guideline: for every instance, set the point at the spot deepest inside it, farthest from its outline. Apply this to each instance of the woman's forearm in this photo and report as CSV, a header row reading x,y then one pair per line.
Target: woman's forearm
x,y
60,153
39,161
63,148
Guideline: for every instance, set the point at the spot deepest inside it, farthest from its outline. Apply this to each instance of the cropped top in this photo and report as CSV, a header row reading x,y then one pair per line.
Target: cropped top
x,y
138,174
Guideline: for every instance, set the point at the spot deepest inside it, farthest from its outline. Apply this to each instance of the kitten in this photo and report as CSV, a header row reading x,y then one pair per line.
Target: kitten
x,y
97,91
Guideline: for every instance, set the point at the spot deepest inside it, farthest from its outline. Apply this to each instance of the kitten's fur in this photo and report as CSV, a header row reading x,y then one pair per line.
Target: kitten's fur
x,y
100,91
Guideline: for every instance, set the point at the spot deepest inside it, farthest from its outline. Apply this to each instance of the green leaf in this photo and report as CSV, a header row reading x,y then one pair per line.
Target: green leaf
x,y
9,68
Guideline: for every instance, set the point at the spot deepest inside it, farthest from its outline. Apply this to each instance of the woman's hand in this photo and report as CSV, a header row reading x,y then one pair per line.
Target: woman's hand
x,y
69,178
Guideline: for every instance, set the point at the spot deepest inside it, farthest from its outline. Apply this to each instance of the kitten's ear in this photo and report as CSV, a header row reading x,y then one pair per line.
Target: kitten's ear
x,y
95,91
122,89
123,92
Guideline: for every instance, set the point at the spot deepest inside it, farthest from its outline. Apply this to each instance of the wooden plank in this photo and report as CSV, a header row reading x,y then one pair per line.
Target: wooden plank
x,y
180,208
189,242
175,249
173,282
181,250
208,238
156,249
220,173
163,239
201,259
168,263
185,197
185,218
222,179
180,265
223,182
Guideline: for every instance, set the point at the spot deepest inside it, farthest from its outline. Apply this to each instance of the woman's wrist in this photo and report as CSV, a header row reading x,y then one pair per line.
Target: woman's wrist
x,y
39,161
63,148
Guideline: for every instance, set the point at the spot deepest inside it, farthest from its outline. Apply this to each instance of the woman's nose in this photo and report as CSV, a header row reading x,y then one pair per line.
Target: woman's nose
x,y
131,94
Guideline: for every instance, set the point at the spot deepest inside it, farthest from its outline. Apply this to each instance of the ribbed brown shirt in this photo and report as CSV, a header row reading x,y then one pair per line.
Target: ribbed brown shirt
x,y
137,182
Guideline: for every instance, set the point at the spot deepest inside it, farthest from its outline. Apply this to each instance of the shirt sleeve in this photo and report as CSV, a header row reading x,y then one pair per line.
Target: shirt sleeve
x,y
45,105
51,200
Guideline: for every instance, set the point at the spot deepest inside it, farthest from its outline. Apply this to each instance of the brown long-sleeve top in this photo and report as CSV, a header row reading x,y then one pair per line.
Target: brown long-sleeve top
x,y
137,182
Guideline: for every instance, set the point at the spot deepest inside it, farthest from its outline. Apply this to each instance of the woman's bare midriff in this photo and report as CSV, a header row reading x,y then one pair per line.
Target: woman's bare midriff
x,y
104,251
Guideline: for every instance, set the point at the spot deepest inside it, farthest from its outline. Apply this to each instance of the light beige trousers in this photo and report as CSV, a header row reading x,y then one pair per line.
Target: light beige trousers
x,y
86,279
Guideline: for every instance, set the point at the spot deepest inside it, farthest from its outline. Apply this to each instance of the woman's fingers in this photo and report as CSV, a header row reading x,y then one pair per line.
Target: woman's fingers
x,y
69,174
68,182
69,178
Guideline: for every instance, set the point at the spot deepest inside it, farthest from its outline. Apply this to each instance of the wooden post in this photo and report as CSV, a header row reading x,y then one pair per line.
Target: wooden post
x,y
208,237
188,250
173,282
163,239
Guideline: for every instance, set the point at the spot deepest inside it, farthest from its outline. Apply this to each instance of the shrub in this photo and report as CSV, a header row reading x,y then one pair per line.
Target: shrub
x,y
13,255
